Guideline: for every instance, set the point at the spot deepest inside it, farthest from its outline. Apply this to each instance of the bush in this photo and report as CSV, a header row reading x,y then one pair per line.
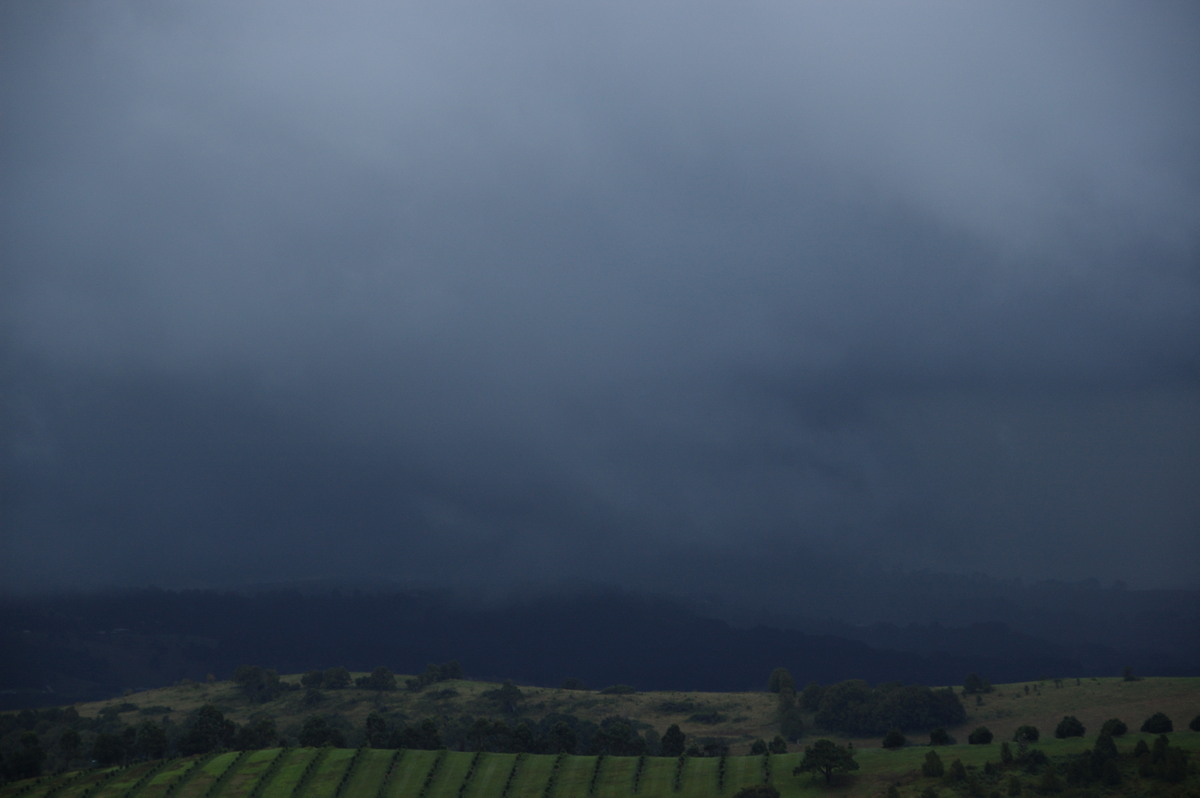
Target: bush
x,y
1114,727
981,736
895,739
618,689
1195,724
1027,734
932,766
1069,726
940,736
1158,723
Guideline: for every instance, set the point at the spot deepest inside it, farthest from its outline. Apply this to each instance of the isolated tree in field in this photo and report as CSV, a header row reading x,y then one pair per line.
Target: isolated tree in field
x,y
1158,723
895,739
1069,726
932,767
1025,734
778,745
1195,724
981,736
940,736
826,757
1114,727
780,681
758,747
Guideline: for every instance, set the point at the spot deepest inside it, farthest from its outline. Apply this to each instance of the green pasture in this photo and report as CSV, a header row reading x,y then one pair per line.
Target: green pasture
x,y
449,774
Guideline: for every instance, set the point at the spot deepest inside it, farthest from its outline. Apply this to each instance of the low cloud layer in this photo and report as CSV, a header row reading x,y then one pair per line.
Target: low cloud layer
x,y
670,295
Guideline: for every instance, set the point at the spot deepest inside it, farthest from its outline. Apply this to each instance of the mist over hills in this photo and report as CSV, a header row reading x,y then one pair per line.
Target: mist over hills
x,y
62,648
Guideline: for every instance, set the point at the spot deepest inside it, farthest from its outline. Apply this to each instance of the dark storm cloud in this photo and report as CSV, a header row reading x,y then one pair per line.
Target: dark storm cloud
x,y
635,293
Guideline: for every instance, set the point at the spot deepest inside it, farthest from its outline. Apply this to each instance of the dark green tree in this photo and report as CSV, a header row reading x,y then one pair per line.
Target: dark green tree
x,y
27,760
207,730
827,758
980,736
319,731
150,741
1158,723
1025,734
1114,727
69,742
108,749
256,735
781,680
940,736
791,723
974,684
778,745
895,739
932,767
337,678
380,679
758,747
1195,724
1069,726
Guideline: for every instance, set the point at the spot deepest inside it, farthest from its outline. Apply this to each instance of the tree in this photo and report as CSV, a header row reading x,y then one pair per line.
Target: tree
x,y
981,736
940,736
1069,726
932,767
337,678
827,757
777,745
380,679
1195,724
791,723
150,741
69,743
1114,727
895,739
974,684
1158,723
256,735
258,684
780,680
108,749
758,747
1025,734
207,730
318,731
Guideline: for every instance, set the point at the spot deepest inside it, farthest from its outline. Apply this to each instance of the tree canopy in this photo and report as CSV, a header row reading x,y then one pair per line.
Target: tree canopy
x,y
827,757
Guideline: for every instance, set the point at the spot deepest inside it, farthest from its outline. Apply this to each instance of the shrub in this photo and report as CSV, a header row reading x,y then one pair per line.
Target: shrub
x,y
895,739
1028,734
1195,724
1069,726
618,689
932,766
1158,723
940,736
981,736
1114,727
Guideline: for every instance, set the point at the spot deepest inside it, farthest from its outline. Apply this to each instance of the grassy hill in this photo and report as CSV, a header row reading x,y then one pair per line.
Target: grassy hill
x,y
738,718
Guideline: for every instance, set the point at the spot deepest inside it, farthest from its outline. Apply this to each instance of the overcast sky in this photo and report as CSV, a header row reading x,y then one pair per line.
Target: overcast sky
x,y
724,294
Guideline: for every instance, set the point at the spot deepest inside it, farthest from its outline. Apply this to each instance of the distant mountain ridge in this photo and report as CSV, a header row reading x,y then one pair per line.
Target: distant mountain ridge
x,y
87,646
